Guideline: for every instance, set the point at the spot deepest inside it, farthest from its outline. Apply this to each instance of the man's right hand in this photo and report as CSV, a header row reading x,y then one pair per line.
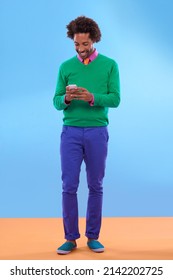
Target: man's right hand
x,y
71,94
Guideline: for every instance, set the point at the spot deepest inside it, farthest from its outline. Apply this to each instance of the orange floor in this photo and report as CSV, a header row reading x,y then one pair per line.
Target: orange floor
x,y
124,238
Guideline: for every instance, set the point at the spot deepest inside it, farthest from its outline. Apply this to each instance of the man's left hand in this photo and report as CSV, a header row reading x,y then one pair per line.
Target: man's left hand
x,y
84,94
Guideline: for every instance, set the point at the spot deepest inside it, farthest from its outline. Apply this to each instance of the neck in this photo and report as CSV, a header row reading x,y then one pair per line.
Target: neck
x,y
93,50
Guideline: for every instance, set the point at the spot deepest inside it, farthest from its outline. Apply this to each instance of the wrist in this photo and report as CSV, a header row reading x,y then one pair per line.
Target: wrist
x,y
66,101
91,102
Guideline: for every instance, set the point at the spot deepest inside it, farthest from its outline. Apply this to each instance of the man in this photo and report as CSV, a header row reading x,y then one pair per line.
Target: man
x,y
87,85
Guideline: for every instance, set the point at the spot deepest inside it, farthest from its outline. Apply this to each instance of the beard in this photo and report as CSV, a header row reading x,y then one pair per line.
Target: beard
x,y
85,53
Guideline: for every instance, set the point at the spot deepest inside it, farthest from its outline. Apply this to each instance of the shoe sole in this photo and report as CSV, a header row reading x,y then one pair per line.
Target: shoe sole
x,y
59,252
62,252
100,250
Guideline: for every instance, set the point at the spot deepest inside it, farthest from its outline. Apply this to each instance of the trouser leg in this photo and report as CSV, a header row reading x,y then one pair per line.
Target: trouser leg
x,y
71,151
95,153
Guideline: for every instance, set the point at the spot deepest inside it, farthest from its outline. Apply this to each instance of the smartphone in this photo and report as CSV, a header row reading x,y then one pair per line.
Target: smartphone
x,y
72,86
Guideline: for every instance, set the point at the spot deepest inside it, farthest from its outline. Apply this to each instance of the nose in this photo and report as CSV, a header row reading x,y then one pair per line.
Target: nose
x,y
80,49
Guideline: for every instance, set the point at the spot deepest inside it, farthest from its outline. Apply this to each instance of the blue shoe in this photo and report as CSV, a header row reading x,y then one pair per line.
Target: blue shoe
x,y
95,246
66,248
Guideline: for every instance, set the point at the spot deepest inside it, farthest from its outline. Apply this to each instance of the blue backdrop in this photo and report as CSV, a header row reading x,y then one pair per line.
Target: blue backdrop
x,y
139,36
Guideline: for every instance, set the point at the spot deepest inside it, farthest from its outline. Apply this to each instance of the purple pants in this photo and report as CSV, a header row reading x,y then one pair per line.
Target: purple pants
x,y
78,144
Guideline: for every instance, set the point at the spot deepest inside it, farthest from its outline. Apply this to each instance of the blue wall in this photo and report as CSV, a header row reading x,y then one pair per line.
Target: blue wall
x,y
138,35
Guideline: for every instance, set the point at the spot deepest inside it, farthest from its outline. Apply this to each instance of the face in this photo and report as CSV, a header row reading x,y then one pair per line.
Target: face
x,y
83,44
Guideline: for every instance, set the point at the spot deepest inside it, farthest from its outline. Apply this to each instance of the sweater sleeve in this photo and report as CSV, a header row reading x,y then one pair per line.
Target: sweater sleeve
x,y
112,97
59,97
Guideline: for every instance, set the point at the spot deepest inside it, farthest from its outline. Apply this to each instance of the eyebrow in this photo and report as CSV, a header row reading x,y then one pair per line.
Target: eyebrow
x,y
82,42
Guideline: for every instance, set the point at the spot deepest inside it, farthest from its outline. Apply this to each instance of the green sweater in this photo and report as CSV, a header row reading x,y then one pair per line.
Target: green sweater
x,y
101,78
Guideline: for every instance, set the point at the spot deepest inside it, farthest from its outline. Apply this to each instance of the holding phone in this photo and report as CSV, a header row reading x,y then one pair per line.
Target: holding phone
x,y
71,92
72,87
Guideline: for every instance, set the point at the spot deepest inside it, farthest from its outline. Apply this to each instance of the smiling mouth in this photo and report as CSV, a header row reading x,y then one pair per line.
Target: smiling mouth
x,y
83,54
